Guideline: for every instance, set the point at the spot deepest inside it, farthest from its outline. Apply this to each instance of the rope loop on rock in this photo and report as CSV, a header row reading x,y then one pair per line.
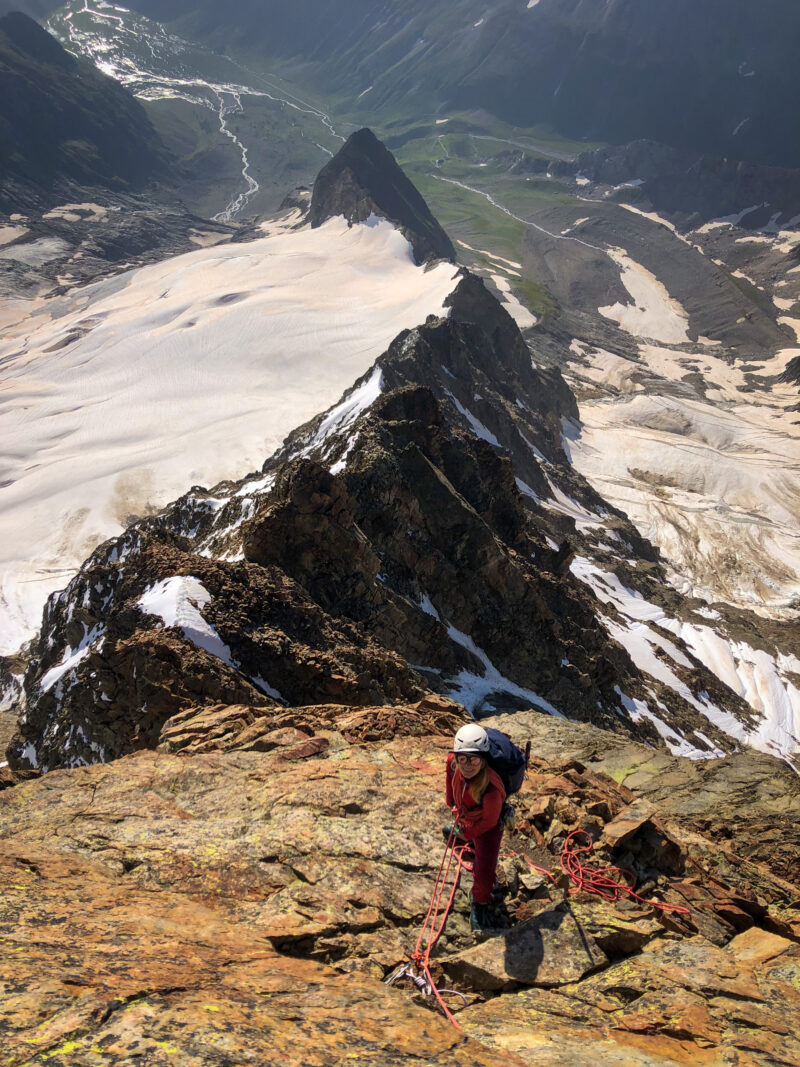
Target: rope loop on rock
x,y
604,882
596,880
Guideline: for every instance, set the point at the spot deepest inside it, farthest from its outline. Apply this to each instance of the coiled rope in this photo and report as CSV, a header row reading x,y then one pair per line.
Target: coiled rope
x,y
599,881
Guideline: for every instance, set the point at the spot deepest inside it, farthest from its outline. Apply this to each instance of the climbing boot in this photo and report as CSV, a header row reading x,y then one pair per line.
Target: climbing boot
x,y
479,918
499,892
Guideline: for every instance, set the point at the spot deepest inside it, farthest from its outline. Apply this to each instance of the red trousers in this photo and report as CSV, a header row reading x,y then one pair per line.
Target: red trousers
x,y
487,849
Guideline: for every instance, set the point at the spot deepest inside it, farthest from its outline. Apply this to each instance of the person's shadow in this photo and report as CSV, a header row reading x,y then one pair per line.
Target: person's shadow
x,y
556,934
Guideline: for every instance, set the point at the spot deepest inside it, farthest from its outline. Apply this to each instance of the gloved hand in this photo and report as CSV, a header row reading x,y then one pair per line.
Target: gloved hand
x,y
451,829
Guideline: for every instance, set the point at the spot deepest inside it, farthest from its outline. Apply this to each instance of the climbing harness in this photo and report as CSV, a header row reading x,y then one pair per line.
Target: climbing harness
x,y
418,967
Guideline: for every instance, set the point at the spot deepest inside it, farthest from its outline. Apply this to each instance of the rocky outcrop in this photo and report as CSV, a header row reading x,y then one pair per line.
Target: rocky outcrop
x,y
683,1003
301,732
363,179
128,674
121,973
748,803
249,902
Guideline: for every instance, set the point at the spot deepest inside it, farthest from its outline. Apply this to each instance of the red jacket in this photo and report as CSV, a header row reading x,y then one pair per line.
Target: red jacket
x,y
474,819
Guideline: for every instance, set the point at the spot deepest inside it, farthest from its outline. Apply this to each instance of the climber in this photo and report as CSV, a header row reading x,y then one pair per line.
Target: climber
x,y
476,795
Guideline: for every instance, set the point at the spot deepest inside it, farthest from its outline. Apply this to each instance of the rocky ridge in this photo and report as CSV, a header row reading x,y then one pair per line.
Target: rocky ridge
x,y
383,554
241,893
244,703
427,534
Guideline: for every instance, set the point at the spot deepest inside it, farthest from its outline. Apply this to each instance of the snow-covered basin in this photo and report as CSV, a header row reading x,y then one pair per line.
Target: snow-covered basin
x,y
118,397
717,488
712,479
764,681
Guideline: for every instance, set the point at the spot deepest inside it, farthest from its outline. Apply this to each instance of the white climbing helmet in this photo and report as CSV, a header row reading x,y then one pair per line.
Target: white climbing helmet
x,y
471,738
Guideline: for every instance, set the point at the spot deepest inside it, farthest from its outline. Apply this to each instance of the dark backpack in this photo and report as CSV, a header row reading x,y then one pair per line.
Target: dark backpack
x,y
506,760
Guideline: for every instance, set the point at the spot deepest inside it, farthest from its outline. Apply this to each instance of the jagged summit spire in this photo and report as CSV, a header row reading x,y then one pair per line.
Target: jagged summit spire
x,y
364,179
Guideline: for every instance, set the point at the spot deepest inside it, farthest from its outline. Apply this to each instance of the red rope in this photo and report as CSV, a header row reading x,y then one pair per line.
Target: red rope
x,y
431,932
587,879
594,880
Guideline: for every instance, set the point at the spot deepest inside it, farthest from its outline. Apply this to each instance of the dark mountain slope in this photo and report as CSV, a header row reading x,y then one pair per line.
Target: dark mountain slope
x,y
36,9
62,120
718,76
688,188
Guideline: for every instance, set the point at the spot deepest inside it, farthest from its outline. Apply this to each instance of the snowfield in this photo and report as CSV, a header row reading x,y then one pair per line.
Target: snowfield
x,y
118,397
701,449
764,682
653,313
715,485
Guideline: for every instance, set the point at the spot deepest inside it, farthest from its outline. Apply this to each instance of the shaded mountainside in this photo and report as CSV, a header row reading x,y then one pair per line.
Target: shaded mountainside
x,y
36,9
242,893
688,188
717,76
364,179
63,120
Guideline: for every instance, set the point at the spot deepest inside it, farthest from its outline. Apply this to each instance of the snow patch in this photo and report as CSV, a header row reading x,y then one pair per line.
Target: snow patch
x,y
345,413
177,602
477,426
37,253
753,674
261,485
268,689
565,505
71,658
30,754
427,606
675,741
526,490
654,314
471,690
518,312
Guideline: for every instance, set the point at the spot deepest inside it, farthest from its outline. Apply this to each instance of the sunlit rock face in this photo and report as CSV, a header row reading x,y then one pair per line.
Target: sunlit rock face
x,y
248,887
